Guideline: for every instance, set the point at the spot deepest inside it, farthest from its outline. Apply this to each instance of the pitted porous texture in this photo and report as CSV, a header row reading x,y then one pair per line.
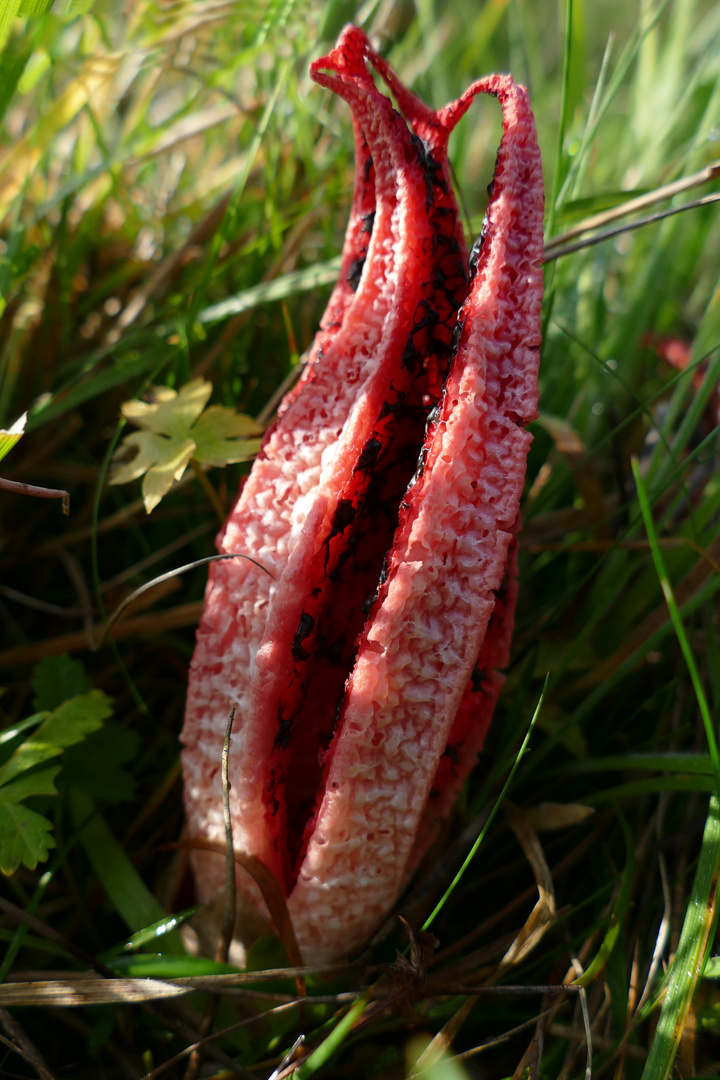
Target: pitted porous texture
x,y
262,524
385,503
448,558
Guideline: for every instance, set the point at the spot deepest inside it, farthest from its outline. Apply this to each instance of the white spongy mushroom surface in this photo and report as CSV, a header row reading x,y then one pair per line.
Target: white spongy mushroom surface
x,y
449,556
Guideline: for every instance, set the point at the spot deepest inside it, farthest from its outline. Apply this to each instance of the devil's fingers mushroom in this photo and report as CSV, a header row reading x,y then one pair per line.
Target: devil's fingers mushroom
x,y
385,502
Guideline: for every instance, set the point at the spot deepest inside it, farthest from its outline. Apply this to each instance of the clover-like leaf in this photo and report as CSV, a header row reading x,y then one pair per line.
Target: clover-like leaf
x,y
223,437
170,413
24,837
13,434
24,833
174,431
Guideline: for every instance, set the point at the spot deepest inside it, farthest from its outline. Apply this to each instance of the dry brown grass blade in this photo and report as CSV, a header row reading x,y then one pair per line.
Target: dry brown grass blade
x,y
87,990
667,191
76,641
441,1042
684,591
18,488
170,268
461,944
543,914
630,226
271,891
549,816
537,923
584,470
19,1041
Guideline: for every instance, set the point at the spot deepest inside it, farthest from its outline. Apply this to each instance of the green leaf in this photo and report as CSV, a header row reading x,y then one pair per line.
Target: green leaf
x,y
113,745
68,724
696,939
223,437
712,968
12,732
150,934
162,966
173,432
126,889
56,679
162,460
13,434
24,837
170,413
35,782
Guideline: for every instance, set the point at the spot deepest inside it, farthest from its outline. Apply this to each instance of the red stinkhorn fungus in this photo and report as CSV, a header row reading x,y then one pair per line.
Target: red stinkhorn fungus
x,y
385,503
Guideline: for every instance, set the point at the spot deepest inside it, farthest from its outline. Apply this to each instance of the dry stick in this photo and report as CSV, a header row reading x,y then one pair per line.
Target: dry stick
x,y
607,234
639,203
41,928
213,497
22,1045
475,1050
47,932
160,1069
228,925
37,492
289,1058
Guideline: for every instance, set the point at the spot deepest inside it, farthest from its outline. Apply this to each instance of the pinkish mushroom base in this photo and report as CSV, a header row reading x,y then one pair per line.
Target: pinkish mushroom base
x,y
385,502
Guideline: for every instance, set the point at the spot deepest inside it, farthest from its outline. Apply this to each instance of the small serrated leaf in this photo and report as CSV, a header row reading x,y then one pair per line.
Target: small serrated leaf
x,y
56,679
34,782
223,437
24,837
68,724
113,745
155,453
170,414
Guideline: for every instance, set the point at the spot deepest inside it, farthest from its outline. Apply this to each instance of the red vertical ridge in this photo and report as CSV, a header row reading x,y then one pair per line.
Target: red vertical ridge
x,y
260,524
426,630
390,414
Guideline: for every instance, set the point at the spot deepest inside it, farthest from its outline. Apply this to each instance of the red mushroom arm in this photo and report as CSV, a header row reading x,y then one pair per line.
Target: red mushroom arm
x,y
400,457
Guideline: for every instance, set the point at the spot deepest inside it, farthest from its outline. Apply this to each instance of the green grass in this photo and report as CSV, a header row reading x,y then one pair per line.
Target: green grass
x,y
173,193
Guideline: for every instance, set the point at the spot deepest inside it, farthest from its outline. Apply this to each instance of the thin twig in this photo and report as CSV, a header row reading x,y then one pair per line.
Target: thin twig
x,y
47,932
607,234
228,925
37,492
159,1069
172,574
209,490
22,1045
578,969
667,191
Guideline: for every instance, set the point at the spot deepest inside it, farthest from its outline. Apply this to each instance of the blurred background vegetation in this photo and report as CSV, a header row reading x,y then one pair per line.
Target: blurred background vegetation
x,y
173,195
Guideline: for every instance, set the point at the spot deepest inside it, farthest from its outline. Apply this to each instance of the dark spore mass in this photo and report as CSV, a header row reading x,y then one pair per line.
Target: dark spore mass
x,y
305,628
355,273
368,456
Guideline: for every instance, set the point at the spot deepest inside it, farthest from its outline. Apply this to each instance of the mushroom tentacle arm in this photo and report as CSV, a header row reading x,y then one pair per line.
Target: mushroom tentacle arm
x,y
386,503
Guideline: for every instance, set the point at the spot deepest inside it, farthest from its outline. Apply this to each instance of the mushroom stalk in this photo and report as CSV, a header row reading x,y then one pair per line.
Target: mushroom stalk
x,y
385,501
